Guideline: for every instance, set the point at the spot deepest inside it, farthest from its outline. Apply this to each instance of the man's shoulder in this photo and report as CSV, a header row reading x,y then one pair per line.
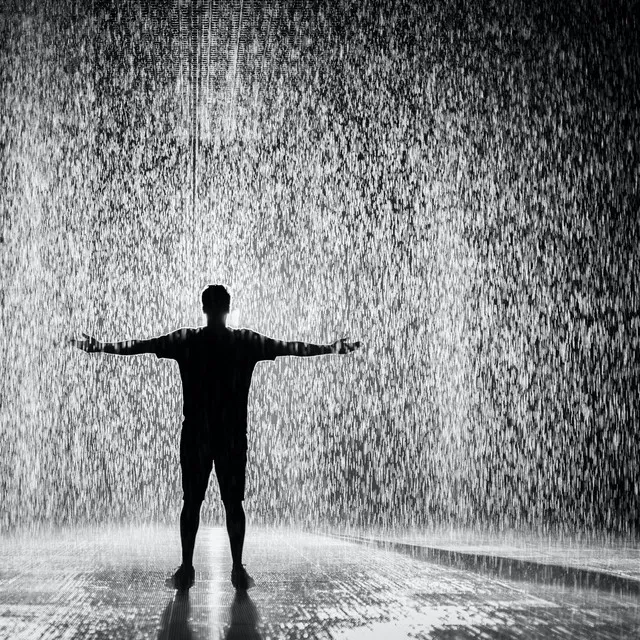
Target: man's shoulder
x,y
180,337
248,337
184,333
172,345
244,334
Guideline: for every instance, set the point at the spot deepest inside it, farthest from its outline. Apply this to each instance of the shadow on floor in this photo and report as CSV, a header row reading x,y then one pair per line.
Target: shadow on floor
x,y
243,618
174,624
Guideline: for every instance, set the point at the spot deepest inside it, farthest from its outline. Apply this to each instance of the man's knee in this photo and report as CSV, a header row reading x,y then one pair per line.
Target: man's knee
x,y
192,504
233,507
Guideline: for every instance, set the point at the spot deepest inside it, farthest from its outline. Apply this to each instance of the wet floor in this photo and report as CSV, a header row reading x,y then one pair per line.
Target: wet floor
x,y
110,584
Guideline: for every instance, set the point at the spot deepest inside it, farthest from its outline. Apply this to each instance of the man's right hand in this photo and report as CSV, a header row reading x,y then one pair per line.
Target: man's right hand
x,y
342,346
88,344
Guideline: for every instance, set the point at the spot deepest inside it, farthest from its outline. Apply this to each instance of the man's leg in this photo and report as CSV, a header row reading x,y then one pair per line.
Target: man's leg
x,y
196,462
236,524
230,469
189,523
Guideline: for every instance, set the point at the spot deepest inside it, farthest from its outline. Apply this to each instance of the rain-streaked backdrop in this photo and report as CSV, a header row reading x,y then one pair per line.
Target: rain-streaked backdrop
x,y
454,184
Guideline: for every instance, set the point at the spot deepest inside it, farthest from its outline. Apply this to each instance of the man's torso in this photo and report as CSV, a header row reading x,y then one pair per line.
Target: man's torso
x,y
216,366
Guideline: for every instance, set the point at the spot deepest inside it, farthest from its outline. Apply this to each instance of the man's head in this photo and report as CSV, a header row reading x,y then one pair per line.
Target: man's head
x,y
216,302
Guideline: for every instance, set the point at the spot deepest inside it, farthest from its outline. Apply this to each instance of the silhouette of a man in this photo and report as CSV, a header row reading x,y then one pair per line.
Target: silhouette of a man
x,y
216,364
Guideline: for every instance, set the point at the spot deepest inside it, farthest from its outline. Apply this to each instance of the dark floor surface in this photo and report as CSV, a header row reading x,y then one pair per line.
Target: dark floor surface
x,y
110,584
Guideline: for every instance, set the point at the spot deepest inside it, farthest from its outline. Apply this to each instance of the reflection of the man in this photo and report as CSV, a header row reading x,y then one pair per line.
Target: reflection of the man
x,y
174,624
243,618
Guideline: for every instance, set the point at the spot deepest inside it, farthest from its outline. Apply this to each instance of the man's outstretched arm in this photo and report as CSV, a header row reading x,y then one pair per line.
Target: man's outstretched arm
x,y
305,349
126,348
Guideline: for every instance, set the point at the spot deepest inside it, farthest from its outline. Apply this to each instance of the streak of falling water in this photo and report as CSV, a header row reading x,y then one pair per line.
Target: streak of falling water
x,y
456,186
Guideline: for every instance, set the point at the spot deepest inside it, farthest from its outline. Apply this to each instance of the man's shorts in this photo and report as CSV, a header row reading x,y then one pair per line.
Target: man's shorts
x,y
199,455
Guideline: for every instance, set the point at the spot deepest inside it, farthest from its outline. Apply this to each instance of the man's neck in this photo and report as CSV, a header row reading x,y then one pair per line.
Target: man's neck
x,y
216,325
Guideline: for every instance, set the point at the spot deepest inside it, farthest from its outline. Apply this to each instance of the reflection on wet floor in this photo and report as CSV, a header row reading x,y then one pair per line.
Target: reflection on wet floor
x,y
241,623
243,619
174,623
110,583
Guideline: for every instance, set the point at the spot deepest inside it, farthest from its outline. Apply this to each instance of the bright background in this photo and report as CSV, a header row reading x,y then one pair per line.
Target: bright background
x,y
456,186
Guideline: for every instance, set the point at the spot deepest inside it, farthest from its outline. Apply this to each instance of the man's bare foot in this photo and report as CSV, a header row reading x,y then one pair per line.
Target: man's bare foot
x,y
240,579
183,579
